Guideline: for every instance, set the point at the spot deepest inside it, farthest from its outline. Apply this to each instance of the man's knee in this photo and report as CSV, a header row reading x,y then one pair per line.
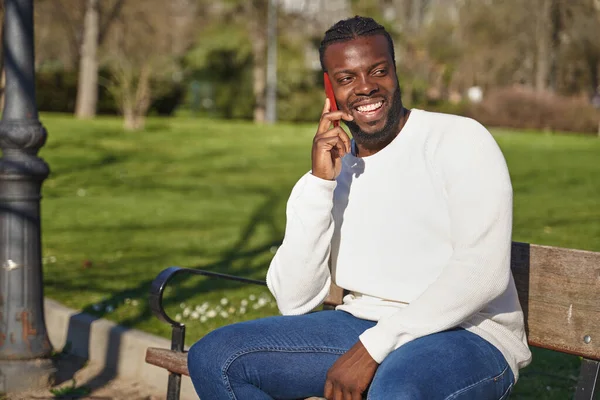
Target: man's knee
x,y
210,354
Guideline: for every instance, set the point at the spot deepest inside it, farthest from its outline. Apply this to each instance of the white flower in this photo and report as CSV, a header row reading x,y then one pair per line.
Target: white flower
x,y
81,192
195,315
182,305
198,309
252,297
127,300
186,312
243,310
203,318
244,303
134,303
211,314
178,317
231,310
224,301
262,301
52,259
273,249
224,314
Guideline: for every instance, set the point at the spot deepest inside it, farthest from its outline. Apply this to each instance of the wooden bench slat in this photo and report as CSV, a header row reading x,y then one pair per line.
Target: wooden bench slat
x,y
171,360
559,292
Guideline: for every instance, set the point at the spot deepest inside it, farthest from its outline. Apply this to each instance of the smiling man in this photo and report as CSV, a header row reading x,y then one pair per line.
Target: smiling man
x,y
412,217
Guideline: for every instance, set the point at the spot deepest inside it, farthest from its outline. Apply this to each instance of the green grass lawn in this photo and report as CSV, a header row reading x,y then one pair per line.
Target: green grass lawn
x,y
119,207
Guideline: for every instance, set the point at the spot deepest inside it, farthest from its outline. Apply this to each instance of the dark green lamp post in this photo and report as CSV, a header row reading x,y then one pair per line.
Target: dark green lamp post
x,y
24,345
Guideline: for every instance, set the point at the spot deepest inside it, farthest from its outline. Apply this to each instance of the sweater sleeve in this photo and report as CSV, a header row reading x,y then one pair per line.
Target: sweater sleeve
x,y
479,200
299,275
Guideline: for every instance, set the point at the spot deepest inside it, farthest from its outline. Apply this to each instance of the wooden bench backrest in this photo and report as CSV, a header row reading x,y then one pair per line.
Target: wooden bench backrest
x,y
559,291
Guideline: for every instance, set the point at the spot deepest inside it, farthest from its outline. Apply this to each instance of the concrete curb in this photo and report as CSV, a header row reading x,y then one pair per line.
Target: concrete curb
x,y
118,350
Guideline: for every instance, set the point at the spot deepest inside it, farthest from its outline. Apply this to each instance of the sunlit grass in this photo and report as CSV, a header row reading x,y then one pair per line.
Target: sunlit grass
x,y
119,207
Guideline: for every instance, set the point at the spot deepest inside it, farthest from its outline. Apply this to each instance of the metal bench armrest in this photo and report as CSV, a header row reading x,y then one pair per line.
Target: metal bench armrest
x,y
159,285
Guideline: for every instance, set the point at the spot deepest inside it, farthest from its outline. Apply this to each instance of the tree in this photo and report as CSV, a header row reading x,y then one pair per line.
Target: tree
x,y
144,46
547,26
93,36
582,19
58,33
2,75
256,12
87,84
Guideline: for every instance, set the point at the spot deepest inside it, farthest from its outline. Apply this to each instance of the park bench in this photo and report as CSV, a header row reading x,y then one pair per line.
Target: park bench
x,y
559,290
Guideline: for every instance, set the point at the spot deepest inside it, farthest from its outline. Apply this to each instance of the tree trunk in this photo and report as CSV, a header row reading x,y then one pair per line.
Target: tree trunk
x,y
543,44
136,105
87,85
259,52
128,117
555,18
2,86
416,15
2,75
593,62
133,122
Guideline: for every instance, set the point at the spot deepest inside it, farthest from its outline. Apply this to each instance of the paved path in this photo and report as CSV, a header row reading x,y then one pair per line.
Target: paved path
x,y
86,381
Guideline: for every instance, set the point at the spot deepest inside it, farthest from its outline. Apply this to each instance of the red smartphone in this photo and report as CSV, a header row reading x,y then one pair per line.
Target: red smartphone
x,y
330,96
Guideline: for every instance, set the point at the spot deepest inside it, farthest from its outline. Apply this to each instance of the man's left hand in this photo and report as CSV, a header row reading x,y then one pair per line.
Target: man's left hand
x,y
350,376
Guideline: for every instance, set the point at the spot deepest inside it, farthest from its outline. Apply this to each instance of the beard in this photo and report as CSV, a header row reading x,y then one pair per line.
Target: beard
x,y
381,138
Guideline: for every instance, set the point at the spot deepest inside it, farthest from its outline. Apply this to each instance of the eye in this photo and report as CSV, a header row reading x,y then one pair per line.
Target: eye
x,y
380,71
344,79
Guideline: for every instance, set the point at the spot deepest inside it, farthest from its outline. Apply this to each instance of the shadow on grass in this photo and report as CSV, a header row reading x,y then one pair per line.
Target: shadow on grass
x,y
238,254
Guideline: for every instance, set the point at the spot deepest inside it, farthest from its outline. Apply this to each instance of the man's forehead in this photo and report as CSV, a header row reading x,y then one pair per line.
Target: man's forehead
x,y
360,48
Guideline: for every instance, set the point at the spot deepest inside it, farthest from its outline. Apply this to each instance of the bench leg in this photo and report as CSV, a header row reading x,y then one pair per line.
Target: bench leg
x,y
177,341
174,388
589,380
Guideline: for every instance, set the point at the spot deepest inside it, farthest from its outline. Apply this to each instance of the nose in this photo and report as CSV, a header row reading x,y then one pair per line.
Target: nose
x,y
365,86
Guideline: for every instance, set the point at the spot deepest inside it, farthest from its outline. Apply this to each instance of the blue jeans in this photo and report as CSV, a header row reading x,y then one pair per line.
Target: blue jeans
x,y
287,357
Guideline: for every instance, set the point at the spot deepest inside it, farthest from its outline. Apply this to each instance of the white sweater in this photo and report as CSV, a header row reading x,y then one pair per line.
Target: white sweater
x,y
419,233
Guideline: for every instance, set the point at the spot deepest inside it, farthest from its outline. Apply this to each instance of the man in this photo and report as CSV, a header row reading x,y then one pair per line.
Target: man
x,y
413,217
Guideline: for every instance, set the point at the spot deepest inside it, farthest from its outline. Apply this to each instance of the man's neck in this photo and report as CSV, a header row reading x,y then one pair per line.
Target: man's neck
x,y
362,151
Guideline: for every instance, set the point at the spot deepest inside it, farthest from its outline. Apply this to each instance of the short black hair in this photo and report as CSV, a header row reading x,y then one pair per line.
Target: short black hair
x,y
352,28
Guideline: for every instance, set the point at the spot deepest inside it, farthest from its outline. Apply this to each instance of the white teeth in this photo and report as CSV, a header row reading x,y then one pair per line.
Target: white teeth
x,y
369,107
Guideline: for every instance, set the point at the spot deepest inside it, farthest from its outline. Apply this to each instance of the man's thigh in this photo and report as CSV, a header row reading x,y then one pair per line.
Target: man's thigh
x,y
285,356
454,364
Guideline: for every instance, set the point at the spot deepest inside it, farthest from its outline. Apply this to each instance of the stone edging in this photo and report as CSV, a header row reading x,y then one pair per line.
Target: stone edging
x,y
118,350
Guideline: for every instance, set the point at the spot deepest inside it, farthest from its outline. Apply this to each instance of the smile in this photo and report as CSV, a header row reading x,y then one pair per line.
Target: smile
x,y
370,107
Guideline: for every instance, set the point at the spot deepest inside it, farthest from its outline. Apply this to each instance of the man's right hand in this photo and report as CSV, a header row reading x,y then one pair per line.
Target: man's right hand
x,y
330,144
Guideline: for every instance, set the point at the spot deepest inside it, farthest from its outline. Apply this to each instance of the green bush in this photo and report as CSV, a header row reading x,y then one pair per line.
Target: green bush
x,y
56,91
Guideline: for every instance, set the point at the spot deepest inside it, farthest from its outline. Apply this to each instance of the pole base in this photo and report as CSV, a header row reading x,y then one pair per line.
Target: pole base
x,y
20,375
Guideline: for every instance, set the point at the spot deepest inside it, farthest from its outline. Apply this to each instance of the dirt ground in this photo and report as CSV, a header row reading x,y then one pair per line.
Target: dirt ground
x,y
79,380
